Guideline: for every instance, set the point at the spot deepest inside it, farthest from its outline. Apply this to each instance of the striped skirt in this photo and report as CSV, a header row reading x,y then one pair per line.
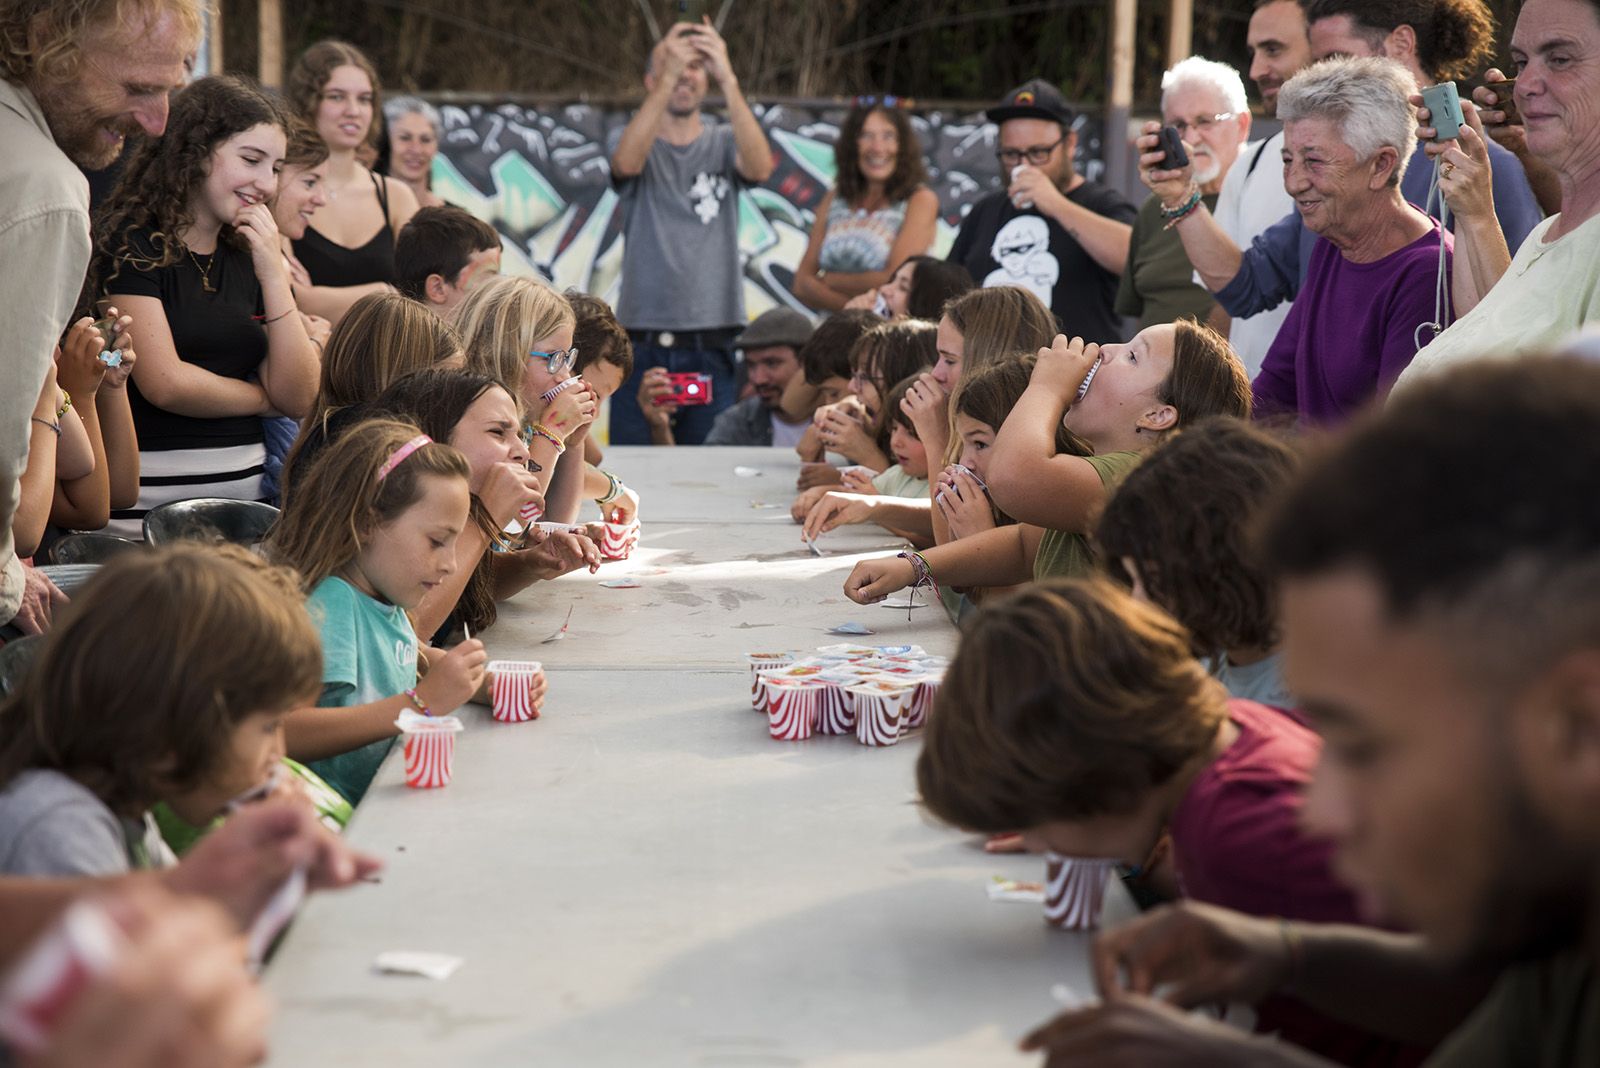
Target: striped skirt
x,y
232,471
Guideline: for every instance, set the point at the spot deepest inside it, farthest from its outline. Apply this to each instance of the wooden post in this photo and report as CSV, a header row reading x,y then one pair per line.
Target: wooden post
x,y
270,26
1180,31
215,63
1124,13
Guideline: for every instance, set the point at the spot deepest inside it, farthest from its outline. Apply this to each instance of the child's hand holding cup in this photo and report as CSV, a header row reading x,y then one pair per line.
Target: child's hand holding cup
x,y
509,490
517,688
857,479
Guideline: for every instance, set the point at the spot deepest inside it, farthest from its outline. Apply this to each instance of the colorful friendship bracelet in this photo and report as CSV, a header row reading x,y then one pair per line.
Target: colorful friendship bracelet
x,y
549,435
417,702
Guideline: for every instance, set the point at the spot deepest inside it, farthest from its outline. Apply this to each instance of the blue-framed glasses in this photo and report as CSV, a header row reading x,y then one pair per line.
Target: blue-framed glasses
x,y
561,361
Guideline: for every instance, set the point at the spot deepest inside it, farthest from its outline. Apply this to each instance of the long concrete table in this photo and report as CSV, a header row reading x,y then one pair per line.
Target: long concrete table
x,y
643,876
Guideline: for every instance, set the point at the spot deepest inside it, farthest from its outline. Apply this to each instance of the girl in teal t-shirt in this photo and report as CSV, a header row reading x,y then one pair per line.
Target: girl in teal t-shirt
x,y
371,528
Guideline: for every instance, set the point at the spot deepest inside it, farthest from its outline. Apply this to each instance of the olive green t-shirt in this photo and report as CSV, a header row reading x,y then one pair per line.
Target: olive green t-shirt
x,y
1158,283
1065,554
1540,1015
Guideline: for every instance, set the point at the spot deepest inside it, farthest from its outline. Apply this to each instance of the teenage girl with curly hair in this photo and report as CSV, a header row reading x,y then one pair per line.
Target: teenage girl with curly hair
x,y
188,247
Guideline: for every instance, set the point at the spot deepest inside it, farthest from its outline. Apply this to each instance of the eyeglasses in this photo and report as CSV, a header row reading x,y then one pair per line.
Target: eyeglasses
x,y
561,361
1038,155
1202,124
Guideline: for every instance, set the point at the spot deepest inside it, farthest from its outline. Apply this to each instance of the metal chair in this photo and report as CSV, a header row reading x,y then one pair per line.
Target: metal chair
x,y
16,656
209,519
90,548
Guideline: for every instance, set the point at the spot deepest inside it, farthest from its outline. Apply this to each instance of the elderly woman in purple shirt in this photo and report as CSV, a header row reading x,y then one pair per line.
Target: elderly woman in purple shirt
x,y
1370,295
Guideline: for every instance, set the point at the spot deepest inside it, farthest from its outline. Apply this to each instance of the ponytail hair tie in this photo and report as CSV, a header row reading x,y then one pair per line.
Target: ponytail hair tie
x,y
399,455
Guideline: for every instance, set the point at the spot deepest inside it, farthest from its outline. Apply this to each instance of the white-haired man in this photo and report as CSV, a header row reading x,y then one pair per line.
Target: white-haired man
x,y
1205,101
1347,138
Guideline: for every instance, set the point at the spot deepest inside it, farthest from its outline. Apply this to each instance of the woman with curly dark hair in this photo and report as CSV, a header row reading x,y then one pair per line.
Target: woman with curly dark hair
x,y
188,247
879,212
347,252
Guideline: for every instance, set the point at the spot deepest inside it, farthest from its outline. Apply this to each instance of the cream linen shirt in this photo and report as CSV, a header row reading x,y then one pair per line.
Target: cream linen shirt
x,y
44,254
1549,293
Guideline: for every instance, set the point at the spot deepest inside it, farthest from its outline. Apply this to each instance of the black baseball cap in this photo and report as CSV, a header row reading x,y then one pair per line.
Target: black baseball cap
x,y
1034,99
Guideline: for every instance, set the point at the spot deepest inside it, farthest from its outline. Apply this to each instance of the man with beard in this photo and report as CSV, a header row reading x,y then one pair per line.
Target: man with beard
x,y
1441,615
80,76
1052,231
679,178
1205,102
771,346
1253,197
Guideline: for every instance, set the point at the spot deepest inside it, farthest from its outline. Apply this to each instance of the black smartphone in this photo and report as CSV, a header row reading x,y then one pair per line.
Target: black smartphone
x,y
692,10
1505,101
1172,145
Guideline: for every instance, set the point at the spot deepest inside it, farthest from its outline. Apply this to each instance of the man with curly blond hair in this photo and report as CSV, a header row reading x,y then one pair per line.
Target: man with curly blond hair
x,y
79,77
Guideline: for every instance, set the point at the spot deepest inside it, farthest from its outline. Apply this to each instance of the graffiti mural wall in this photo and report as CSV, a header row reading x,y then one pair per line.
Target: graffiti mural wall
x,y
541,176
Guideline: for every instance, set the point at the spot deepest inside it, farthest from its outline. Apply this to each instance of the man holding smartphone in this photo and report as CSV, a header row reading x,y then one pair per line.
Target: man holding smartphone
x,y
678,177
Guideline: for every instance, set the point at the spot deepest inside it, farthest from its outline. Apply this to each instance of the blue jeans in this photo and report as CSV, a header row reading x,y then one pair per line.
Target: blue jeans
x,y
279,432
691,425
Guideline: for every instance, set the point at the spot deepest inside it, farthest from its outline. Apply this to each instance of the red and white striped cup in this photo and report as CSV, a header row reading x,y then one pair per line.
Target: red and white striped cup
x,y
761,662
791,708
836,711
1074,889
509,691
922,701
430,748
881,707
618,540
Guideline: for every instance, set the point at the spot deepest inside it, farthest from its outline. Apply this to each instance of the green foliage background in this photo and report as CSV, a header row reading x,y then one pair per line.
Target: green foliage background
x,y
928,49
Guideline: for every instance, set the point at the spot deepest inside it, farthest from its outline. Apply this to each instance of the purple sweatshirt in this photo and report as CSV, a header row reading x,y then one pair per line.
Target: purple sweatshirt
x,y
1351,331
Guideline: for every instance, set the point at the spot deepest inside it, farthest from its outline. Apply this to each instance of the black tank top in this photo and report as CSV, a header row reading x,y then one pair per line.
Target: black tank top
x,y
332,264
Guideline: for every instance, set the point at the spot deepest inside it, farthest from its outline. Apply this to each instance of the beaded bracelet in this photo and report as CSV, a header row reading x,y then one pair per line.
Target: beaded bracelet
x,y
46,423
66,402
1176,215
418,702
549,435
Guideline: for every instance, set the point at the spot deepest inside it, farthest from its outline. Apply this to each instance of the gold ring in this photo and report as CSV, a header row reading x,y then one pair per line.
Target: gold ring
x,y
1447,168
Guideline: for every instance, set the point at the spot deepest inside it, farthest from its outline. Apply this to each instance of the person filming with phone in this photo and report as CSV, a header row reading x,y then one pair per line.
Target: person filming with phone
x,y
678,177
1348,135
1538,298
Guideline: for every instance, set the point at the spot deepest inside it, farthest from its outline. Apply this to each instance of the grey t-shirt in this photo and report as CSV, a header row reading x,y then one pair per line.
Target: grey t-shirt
x,y
50,825
680,231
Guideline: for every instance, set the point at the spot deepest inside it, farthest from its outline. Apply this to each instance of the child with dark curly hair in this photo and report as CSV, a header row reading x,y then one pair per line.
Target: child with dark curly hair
x,y
1179,531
